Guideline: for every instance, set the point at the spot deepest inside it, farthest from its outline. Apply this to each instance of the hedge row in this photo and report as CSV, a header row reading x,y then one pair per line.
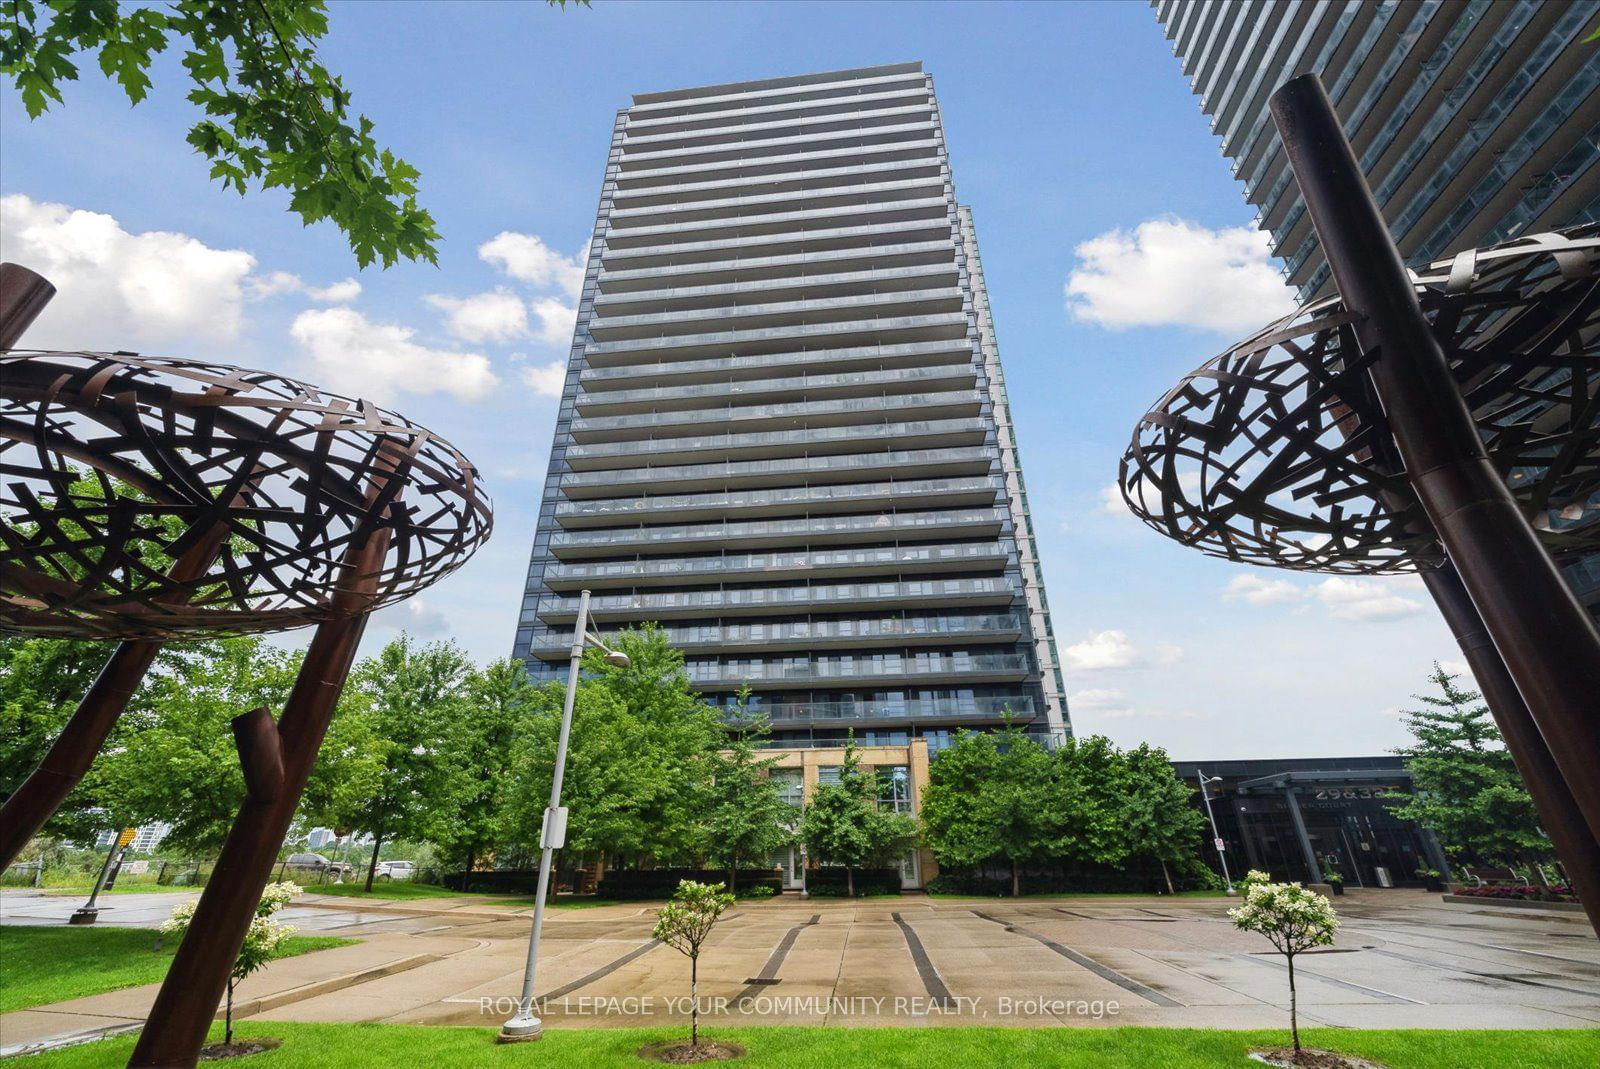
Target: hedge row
x,y
832,882
660,883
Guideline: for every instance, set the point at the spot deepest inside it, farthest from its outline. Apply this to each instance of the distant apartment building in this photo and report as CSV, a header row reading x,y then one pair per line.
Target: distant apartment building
x,y
784,433
1476,121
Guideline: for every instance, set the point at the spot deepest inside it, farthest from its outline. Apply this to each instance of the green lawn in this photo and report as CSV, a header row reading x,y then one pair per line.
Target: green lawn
x,y
347,1046
40,965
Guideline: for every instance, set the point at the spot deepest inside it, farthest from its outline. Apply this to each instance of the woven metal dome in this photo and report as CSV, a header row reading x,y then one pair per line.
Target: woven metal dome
x,y
146,498
1275,453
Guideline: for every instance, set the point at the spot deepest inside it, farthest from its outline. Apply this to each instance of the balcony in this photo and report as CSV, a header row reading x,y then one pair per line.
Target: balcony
x,y
599,381
795,242
684,102
989,709
776,315
846,497
814,441
894,211
802,265
895,94
732,135
919,150
777,146
925,670
804,634
893,382
782,566
808,530
848,467
762,601
750,203
644,426
848,175
873,281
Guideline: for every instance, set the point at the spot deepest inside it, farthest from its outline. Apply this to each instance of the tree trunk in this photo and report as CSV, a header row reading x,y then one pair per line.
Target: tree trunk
x,y
372,866
1016,879
849,881
1294,1018
694,1000
1168,877
732,875
466,874
227,1019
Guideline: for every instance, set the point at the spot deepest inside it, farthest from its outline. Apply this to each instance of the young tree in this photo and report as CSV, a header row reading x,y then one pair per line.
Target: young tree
x,y
746,818
499,699
994,796
263,941
683,924
844,825
1293,919
413,695
1160,824
1468,790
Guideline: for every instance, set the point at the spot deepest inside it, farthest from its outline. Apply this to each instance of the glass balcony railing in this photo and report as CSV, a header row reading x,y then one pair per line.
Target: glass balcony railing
x,y
798,466
644,606
619,301
788,335
860,380
727,316
877,527
870,631
991,707
790,410
889,557
762,361
602,508
676,253
813,437
862,668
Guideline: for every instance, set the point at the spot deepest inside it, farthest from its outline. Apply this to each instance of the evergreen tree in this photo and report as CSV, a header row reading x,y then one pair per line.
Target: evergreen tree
x,y
1468,790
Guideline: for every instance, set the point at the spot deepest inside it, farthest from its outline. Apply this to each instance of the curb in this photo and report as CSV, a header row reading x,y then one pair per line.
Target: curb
x,y
251,1007
410,911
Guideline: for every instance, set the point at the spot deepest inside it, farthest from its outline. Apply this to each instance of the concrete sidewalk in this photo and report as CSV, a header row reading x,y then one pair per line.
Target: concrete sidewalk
x,y
1402,960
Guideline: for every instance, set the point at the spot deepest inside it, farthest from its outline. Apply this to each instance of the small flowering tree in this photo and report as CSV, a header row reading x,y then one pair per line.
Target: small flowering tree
x,y
1294,919
1251,878
683,925
262,942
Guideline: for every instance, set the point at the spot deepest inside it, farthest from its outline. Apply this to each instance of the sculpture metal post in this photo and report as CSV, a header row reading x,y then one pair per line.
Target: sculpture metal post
x,y
1546,640
276,762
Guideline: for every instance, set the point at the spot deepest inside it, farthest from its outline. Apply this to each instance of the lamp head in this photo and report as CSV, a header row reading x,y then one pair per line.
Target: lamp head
x,y
617,660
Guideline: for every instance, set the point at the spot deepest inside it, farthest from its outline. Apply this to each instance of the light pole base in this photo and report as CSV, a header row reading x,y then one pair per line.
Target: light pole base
x,y
84,916
520,1030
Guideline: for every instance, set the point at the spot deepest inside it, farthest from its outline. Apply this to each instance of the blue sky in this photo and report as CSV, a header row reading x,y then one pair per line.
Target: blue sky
x,y
1072,134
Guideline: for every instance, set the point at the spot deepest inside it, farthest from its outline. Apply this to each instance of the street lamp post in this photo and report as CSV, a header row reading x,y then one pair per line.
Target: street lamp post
x,y
1216,836
553,832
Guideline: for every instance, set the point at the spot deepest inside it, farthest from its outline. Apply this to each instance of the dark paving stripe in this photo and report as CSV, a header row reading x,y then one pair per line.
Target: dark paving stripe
x,y
1502,977
769,972
931,981
602,971
1382,996
1126,983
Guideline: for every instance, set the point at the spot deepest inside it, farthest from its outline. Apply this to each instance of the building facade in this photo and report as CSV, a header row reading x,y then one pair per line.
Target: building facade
x,y
1475,120
784,433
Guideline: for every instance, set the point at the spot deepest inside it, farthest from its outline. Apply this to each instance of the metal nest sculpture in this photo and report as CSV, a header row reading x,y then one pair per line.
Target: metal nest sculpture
x,y
152,498
1276,452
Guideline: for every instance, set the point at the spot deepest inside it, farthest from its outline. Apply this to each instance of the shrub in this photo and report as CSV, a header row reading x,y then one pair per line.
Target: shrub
x,y
683,925
262,941
663,883
759,890
832,882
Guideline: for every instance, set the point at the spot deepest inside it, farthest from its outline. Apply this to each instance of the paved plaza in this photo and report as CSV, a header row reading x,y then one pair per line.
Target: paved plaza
x,y
1402,960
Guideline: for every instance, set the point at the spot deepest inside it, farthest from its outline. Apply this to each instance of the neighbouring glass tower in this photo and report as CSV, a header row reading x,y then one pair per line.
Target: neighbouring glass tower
x,y
1475,120
784,433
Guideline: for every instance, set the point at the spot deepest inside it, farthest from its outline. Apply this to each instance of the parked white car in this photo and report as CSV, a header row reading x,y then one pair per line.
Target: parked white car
x,y
396,870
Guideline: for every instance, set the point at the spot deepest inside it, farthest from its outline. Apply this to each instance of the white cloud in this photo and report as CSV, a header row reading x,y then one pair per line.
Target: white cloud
x,y
1255,590
354,355
1457,668
1170,272
119,290
1106,649
528,258
1097,700
425,621
494,316
1150,714
341,292
278,283
554,320
546,380
1112,502
1363,600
